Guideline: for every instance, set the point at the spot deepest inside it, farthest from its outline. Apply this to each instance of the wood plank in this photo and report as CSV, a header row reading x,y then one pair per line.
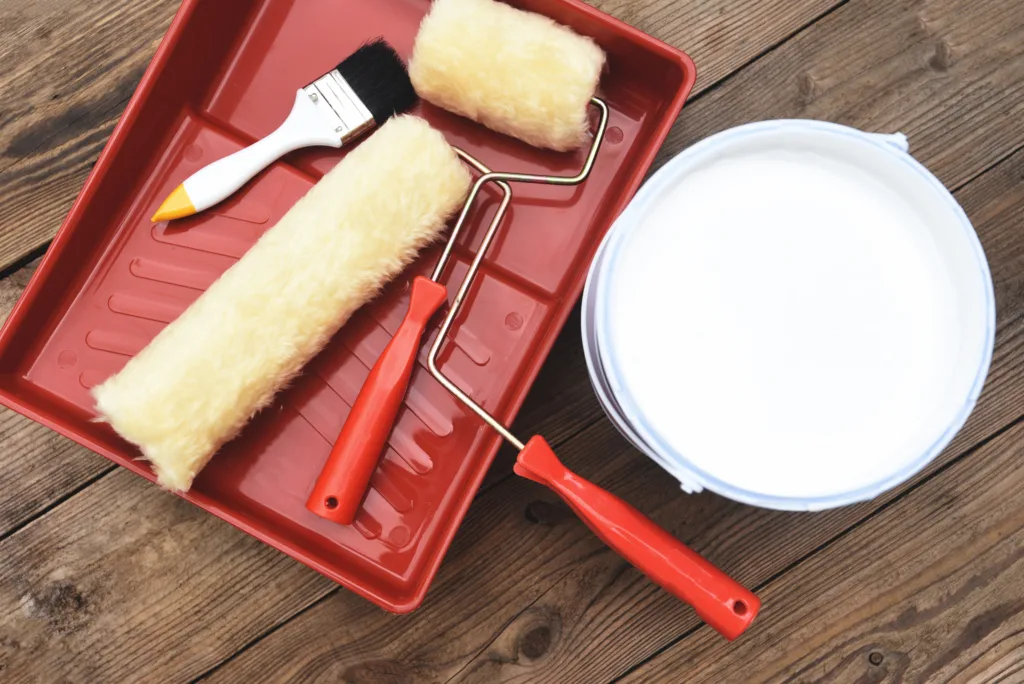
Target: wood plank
x,y
586,616
927,590
66,73
125,582
918,66
721,37
37,466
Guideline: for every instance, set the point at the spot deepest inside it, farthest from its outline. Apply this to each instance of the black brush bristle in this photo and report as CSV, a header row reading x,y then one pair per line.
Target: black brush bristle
x,y
379,78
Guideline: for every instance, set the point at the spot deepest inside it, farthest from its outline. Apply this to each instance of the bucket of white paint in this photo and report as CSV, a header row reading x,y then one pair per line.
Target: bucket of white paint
x,y
793,314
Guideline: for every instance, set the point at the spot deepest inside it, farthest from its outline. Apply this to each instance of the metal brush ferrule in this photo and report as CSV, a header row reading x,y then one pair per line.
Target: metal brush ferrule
x,y
335,100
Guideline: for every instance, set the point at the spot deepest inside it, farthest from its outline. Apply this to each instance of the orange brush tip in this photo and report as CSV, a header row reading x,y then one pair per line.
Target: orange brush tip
x,y
175,206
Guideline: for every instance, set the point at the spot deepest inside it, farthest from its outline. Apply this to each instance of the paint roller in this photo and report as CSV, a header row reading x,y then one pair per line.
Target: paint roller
x,y
204,376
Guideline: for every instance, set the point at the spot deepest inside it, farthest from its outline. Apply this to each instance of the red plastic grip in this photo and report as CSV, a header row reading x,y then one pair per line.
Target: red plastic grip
x,y
345,477
718,599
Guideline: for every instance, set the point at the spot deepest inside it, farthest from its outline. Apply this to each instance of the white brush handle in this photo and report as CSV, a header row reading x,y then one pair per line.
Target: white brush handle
x,y
304,127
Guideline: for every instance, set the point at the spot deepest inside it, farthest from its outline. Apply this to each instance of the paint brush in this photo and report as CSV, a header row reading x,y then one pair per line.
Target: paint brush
x,y
361,93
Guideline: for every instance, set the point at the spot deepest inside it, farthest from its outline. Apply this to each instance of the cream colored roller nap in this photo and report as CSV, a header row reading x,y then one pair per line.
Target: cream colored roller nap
x,y
204,376
513,71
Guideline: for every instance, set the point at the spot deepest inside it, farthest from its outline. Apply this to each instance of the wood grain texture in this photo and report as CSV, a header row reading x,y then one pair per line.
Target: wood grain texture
x,y
37,466
125,582
946,73
927,590
67,70
599,617
720,36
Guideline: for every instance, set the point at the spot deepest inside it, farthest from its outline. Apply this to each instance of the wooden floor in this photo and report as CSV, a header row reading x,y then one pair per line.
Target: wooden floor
x,y
105,578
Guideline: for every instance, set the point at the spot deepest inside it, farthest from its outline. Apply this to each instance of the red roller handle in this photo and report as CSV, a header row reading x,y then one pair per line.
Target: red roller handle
x,y
345,477
718,599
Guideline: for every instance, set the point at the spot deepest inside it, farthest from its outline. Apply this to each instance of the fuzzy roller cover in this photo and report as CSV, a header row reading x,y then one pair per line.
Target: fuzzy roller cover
x,y
204,376
515,72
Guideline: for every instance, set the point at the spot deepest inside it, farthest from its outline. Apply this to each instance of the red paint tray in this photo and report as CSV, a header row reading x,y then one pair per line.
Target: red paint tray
x,y
224,76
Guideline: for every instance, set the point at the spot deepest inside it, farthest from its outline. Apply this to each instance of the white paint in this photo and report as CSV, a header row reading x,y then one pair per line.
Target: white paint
x,y
793,315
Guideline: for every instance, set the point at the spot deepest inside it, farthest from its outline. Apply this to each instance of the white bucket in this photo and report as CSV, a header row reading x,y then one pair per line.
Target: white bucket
x,y
793,314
